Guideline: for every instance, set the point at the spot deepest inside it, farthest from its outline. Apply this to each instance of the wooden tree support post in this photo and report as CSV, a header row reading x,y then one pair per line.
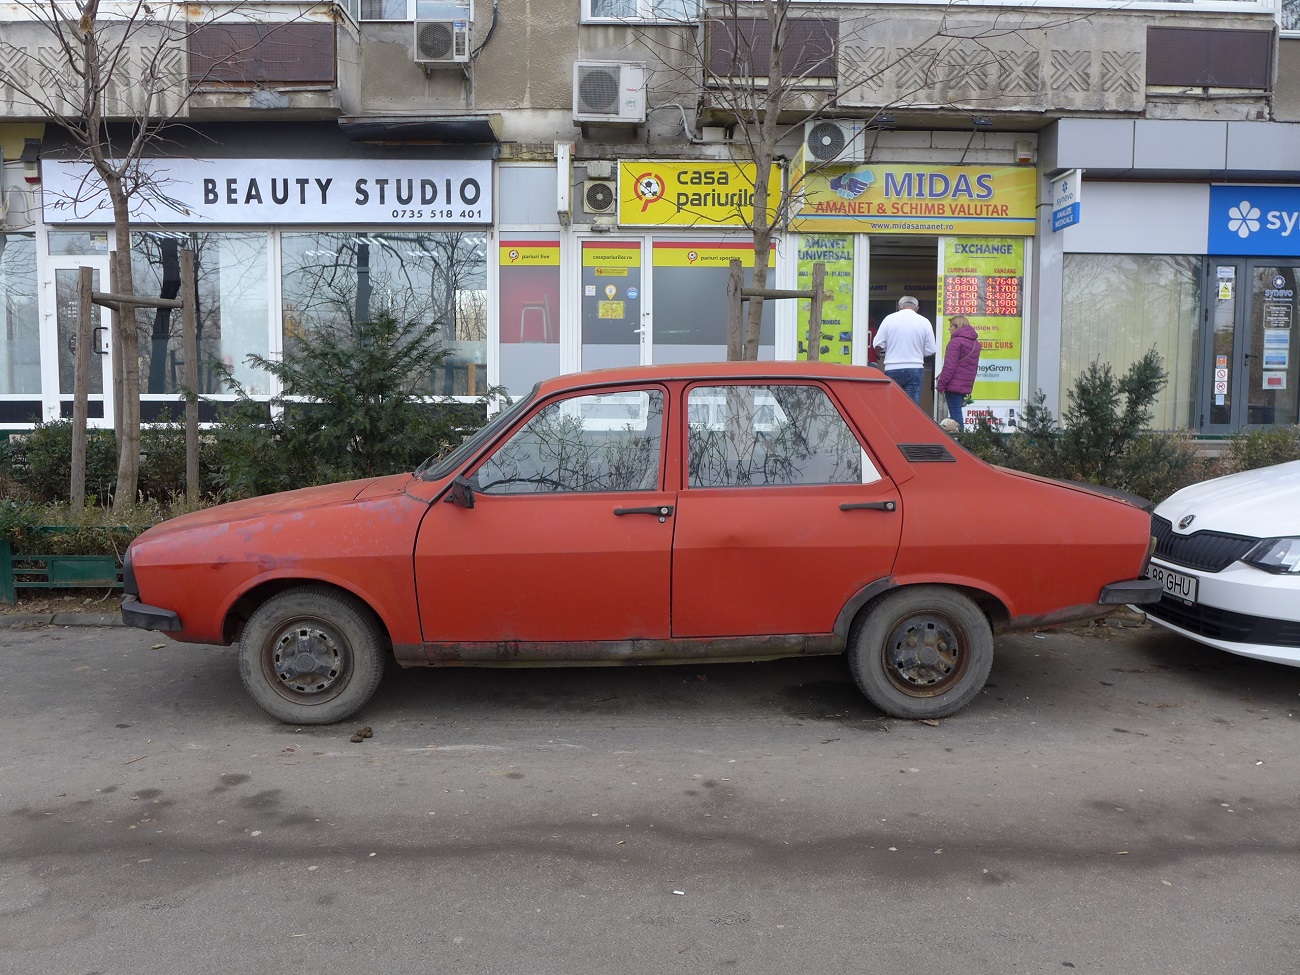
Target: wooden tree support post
x,y
736,294
189,328
735,310
123,307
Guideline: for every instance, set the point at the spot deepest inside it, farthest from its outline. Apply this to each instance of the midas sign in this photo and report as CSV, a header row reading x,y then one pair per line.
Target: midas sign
x,y
913,199
691,194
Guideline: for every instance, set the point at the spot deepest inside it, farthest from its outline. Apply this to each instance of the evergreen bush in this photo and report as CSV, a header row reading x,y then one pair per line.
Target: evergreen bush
x,y
352,406
39,463
1265,447
1102,437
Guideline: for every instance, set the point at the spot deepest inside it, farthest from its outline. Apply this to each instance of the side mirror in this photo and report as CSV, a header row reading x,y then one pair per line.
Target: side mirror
x,y
460,493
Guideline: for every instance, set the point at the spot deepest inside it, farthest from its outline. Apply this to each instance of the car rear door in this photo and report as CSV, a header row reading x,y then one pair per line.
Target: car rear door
x,y
570,535
783,517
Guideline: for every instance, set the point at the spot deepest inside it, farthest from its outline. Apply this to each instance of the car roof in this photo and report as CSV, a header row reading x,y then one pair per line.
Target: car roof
x,y
694,371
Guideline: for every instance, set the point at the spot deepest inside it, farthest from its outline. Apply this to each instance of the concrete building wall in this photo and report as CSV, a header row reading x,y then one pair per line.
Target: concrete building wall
x,y
1286,97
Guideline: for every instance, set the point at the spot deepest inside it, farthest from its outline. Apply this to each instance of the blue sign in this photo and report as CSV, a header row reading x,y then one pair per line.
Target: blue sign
x,y
1066,217
1255,220
1067,200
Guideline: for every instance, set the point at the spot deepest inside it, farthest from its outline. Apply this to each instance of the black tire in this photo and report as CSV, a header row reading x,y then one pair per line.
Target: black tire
x,y
346,649
921,652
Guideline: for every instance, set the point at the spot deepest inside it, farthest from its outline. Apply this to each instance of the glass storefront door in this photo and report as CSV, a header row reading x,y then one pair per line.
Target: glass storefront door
x,y
662,300
613,327
1251,350
1271,356
66,274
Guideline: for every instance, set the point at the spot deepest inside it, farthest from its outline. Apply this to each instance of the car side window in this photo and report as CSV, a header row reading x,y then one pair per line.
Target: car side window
x,y
596,442
770,435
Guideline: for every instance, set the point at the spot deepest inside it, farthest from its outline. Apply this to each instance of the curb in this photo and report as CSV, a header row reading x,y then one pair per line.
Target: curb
x,y
22,620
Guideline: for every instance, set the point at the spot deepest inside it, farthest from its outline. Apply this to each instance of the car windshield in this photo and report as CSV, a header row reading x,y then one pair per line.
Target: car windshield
x,y
434,469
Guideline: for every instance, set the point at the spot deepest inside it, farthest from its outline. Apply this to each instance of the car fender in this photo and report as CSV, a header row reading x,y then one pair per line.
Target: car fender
x,y
990,598
241,602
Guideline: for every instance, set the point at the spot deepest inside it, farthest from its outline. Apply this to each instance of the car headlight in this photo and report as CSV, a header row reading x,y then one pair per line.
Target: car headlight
x,y
1281,555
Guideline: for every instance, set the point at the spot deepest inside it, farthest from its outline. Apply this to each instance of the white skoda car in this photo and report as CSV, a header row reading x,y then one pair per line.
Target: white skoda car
x,y
1228,558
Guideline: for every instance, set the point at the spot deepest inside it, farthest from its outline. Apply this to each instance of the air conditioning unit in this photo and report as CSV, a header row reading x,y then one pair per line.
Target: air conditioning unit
x,y
599,196
441,42
609,92
835,140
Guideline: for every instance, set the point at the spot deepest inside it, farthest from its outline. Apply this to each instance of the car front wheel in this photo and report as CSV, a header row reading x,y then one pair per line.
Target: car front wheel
x,y
311,656
921,652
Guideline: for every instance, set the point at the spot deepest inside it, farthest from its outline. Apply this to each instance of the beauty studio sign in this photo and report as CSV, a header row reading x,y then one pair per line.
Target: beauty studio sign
x,y
281,191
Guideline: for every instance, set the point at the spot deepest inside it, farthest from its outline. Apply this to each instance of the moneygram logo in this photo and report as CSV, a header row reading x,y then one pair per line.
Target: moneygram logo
x,y
1243,219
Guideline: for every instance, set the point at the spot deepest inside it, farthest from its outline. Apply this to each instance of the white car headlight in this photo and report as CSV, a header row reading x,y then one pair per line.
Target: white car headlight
x,y
1281,555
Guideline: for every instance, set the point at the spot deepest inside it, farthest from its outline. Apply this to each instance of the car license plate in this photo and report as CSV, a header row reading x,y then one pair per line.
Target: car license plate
x,y
1177,584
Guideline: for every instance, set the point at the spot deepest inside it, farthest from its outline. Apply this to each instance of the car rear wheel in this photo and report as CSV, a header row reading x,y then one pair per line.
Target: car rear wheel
x,y
312,656
921,652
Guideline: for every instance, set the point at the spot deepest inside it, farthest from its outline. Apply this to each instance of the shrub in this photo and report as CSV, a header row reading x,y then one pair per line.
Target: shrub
x,y
40,462
1252,449
352,407
91,531
37,466
162,469
1102,437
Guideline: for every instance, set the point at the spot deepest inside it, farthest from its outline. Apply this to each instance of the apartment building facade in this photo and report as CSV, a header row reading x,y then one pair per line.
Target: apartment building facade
x,y
563,184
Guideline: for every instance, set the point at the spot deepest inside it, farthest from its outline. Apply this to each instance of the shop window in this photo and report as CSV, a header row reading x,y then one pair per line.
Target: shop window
x,y
20,354
1118,306
529,312
764,436
233,310
330,281
77,243
690,300
1290,16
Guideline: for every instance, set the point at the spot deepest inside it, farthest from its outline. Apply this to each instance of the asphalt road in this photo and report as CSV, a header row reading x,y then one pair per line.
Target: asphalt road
x,y
1123,805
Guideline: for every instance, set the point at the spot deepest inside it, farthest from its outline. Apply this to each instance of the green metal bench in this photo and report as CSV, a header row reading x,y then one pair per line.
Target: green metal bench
x,y
55,572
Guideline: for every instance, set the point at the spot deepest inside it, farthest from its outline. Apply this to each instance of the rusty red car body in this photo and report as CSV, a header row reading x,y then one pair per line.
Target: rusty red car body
x,y
736,511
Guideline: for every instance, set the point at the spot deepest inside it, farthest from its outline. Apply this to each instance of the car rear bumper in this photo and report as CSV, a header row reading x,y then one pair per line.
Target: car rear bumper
x,y
145,617
1132,591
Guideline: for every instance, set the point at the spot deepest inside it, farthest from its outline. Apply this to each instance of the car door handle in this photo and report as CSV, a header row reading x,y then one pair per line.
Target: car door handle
x,y
660,510
878,505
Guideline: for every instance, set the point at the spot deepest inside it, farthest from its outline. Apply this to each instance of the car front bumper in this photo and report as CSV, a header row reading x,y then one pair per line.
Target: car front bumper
x,y
145,617
1240,609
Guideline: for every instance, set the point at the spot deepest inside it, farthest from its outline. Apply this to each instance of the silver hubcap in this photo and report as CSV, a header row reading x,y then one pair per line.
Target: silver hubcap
x,y
309,658
923,655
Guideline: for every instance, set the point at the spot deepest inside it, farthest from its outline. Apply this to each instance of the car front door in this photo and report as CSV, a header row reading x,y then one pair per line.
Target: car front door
x,y
784,516
569,538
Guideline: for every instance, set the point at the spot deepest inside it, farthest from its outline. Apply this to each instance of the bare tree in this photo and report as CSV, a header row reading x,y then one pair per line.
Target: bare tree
x,y
766,69
113,76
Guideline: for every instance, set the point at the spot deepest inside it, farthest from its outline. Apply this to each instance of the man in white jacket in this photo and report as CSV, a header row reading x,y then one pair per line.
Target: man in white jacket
x,y
904,339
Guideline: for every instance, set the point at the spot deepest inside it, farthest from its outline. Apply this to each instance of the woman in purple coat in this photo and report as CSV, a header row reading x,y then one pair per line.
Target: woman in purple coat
x,y
961,360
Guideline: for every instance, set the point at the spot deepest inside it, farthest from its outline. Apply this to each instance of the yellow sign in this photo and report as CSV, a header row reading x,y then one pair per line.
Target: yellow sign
x,y
610,309
530,253
983,279
898,198
673,253
691,194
